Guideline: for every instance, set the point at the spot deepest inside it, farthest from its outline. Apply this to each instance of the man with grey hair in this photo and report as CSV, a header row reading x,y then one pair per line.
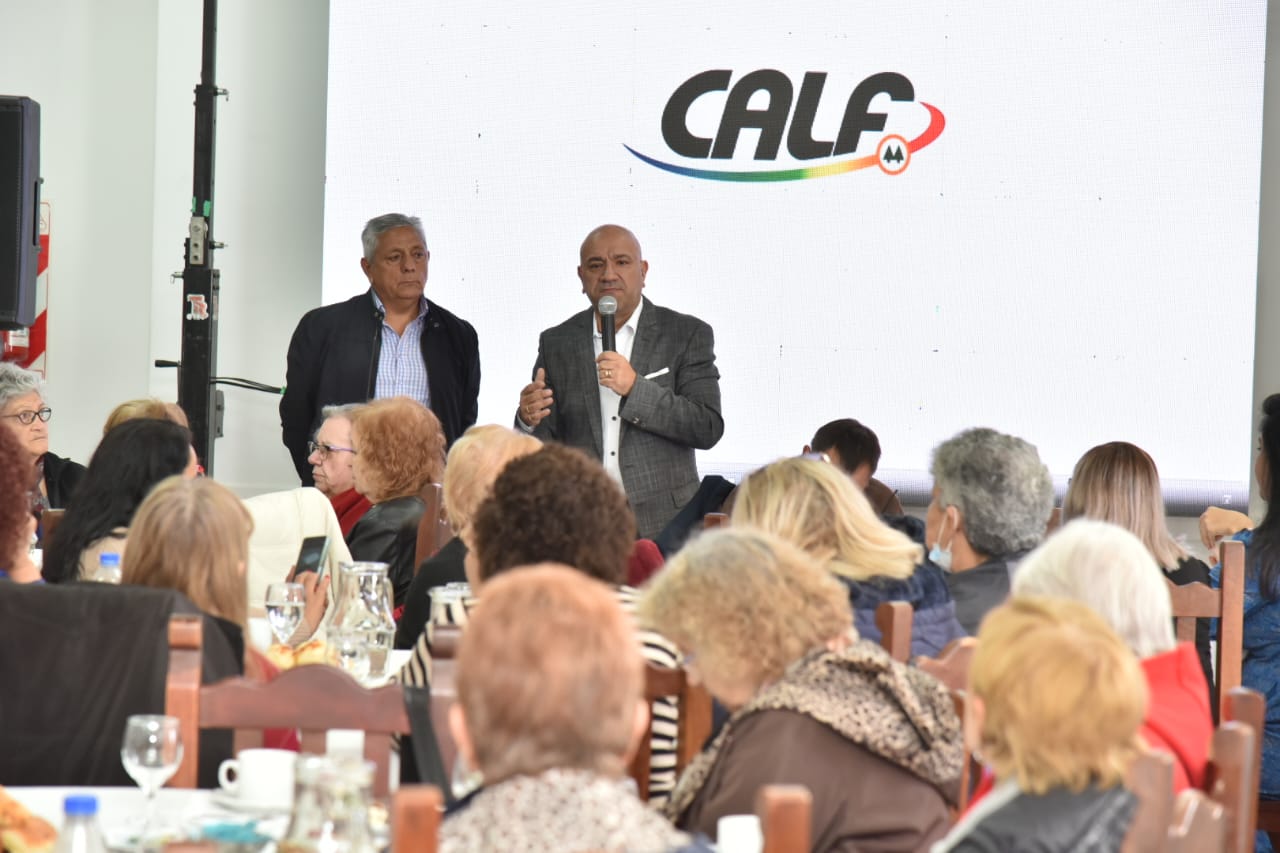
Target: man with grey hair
x,y
992,497
389,341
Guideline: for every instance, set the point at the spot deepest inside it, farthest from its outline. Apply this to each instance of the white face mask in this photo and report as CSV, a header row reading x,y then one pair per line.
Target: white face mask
x,y
939,556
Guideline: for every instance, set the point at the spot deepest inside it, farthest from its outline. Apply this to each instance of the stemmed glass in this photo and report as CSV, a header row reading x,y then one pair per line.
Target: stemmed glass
x,y
151,753
285,603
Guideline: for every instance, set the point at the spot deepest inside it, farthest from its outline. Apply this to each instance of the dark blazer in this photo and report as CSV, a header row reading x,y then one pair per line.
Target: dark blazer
x,y
333,359
664,418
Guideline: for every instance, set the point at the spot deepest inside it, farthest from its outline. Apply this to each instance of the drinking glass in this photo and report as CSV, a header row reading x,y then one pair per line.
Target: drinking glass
x,y
151,753
285,603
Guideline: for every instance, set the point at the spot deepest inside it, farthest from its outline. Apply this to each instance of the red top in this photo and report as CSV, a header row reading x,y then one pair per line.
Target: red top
x,y
1178,718
349,506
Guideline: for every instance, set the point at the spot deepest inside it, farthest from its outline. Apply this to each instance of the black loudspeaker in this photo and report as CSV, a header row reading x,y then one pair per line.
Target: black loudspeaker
x,y
19,210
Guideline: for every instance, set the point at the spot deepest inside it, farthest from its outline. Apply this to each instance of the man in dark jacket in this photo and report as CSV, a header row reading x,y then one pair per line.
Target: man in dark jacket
x,y
389,341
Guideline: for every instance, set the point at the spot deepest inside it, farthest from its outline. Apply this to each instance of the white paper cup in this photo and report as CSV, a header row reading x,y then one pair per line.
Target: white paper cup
x,y
739,833
260,777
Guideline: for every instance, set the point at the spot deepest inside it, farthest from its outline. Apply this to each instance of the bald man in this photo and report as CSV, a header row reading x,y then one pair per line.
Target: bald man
x,y
642,410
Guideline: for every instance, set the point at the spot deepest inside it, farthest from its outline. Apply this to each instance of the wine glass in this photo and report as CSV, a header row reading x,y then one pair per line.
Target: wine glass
x,y
151,753
285,603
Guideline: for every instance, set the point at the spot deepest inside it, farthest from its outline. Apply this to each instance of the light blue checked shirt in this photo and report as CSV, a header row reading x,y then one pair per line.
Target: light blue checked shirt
x,y
400,368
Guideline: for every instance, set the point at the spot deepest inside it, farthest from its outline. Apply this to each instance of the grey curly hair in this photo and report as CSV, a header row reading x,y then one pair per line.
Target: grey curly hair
x,y
1002,489
17,382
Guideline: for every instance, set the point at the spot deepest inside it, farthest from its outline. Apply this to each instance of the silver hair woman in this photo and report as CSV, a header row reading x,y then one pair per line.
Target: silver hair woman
x,y
1110,569
992,497
24,412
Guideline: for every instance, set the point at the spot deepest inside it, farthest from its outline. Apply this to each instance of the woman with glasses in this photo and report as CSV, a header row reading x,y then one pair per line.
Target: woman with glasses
x,y
23,411
332,461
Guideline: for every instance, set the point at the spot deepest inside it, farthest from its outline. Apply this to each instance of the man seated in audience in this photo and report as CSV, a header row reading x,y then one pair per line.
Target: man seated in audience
x,y
332,465
17,524
549,680
992,497
768,632
855,449
1108,569
1055,704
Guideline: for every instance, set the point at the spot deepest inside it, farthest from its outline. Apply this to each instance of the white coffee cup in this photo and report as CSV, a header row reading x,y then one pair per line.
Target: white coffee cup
x,y
739,833
262,777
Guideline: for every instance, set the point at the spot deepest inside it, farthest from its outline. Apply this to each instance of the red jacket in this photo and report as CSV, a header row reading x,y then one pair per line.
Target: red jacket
x,y
1178,717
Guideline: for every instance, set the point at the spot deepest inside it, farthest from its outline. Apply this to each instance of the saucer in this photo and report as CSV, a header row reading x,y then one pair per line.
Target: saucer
x,y
231,802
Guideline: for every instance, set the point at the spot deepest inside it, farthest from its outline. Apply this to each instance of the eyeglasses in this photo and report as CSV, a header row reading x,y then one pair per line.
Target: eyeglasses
x,y
28,417
312,447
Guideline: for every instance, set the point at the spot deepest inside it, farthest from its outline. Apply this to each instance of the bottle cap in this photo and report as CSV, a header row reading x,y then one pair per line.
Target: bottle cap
x,y
108,559
80,804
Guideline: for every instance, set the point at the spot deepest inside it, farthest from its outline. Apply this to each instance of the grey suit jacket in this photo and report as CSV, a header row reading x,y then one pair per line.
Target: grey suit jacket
x,y
663,419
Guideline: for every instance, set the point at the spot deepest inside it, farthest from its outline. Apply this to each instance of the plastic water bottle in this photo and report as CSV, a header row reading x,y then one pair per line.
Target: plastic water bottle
x,y
80,831
108,569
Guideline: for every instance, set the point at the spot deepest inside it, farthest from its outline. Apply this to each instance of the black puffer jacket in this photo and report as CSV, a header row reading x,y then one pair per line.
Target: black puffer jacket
x,y
1008,821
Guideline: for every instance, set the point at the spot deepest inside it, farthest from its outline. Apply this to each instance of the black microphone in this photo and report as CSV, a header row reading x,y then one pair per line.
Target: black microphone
x,y
608,307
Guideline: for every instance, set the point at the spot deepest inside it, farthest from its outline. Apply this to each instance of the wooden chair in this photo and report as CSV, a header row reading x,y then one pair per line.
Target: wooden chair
x,y
1150,779
785,821
415,819
434,529
693,725
1198,825
1248,706
715,519
893,618
49,521
444,687
1231,781
952,666
1199,601
314,699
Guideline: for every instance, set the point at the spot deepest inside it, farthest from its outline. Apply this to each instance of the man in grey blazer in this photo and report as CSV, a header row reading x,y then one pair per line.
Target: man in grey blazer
x,y
641,410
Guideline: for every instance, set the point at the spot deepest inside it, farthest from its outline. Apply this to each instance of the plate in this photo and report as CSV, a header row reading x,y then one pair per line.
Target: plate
x,y
231,802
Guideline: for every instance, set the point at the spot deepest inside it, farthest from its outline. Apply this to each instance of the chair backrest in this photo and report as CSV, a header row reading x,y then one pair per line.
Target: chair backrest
x,y
1248,706
415,819
1198,601
970,767
313,698
1198,825
785,817
49,521
952,666
693,725
434,529
1150,779
1231,781
893,618
444,687
715,519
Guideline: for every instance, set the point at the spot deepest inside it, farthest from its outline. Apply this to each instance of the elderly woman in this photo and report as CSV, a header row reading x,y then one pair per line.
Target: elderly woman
x,y
397,450
17,524
1111,571
128,462
1118,482
475,460
766,630
571,512
50,479
992,497
815,507
145,407
1055,704
549,680
333,465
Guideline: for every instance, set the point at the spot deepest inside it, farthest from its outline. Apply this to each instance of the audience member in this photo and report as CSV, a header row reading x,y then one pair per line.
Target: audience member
x,y
1055,702
475,460
50,480
332,461
815,507
855,449
128,462
146,407
17,524
572,512
992,497
1118,482
877,743
1111,571
548,710
398,449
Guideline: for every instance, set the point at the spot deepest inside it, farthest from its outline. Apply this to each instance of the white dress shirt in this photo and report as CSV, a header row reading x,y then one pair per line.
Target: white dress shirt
x,y
610,425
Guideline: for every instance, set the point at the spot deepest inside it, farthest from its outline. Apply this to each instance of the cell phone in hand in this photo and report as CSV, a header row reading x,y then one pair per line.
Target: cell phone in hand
x,y
311,556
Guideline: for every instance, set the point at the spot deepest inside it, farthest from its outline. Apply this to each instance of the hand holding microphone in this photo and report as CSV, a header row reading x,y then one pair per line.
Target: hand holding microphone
x,y
614,371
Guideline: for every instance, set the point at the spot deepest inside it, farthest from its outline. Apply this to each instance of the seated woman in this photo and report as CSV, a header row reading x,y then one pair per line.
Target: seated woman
x,y
50,479
475,460
128,462
1112,572
1118,482
992,497
548,711
766,630
1055,704
570,512
398,448
17,524
815,507
333,465
145,407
